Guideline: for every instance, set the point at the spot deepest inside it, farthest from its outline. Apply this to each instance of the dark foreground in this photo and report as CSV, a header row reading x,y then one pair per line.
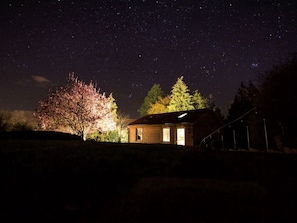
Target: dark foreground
x,y
73,181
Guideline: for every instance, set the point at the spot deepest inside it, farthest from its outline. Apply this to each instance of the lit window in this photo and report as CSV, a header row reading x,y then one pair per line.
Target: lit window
x,y
166,134
138,134
180,132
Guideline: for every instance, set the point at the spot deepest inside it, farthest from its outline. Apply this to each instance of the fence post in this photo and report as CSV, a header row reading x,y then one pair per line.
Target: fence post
x,y
265,131
234,140
248,137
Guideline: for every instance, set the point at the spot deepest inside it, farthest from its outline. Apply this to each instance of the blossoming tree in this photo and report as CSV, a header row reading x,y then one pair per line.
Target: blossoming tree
x,y
77,108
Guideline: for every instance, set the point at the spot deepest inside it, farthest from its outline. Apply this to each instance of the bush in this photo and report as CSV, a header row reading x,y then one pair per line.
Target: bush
x,y
110,136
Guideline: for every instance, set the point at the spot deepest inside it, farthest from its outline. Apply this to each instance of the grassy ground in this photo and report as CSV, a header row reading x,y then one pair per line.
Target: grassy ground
x,y
74,181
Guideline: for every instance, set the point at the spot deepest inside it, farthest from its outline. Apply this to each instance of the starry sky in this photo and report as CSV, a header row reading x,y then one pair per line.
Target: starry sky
x,y
126,46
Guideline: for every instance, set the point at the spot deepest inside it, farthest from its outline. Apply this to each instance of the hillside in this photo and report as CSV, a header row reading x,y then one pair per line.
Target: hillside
x,y
74,181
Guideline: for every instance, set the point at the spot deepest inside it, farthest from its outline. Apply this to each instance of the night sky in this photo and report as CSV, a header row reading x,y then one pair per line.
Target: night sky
x,y
127,46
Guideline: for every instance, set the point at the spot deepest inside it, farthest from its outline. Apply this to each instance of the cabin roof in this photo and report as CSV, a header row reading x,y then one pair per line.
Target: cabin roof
x,y
172,117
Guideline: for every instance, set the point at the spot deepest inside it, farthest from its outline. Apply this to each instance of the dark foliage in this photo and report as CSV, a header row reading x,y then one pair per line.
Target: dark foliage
x,y
276,109
248,130
277,101
244,100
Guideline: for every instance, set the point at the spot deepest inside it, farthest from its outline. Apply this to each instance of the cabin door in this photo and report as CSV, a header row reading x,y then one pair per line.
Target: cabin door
x,y
180,135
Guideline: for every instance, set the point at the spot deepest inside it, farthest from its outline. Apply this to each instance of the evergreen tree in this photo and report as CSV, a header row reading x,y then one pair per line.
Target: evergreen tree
x,y
152,96
114,107
180,99
198,101
244,100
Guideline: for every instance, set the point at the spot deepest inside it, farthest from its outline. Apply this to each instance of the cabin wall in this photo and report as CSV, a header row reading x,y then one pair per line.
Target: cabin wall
x,y
205,126
154,133
150,134
188,131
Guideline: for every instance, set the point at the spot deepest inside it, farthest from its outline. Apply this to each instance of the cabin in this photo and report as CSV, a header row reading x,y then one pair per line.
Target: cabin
x,y
179,128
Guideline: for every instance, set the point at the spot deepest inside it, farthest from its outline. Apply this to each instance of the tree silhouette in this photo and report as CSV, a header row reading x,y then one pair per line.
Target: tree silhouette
x,y
277,101
244,100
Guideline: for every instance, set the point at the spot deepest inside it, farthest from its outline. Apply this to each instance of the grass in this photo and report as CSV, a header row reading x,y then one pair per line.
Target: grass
x,y
75,181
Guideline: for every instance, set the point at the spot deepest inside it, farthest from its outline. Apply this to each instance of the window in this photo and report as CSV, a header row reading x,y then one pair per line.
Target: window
x,y
166,134
138,134
180,136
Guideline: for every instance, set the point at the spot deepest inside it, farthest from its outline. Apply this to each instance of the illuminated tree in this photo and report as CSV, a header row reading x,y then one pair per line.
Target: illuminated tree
x,y
76,108
17,120
114,107
198,101
152,96
5,121
160,106
119,134
122,127
180,99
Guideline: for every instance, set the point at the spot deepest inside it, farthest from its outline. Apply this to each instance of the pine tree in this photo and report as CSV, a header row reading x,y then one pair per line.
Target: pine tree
x,y
152,96
180,98
198,101
244,100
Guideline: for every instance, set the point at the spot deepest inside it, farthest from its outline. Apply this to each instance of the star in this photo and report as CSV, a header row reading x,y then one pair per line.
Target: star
x,y
126,47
